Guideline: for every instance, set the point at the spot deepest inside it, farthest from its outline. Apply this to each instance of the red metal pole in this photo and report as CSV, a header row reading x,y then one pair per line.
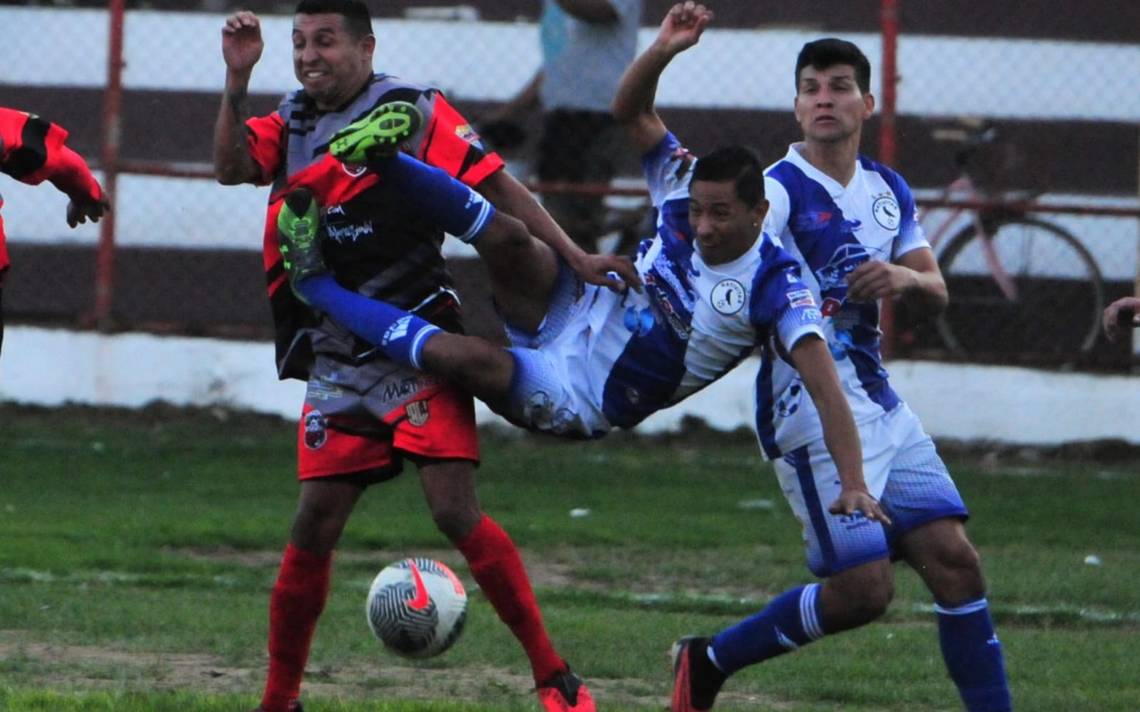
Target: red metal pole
x,y
112,123
887,105
889,21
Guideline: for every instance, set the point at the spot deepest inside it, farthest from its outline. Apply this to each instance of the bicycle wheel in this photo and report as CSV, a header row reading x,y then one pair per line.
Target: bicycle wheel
x,y
1054,313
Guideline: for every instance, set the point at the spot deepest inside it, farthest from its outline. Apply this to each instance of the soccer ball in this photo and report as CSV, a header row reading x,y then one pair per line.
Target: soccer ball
x,y
416,607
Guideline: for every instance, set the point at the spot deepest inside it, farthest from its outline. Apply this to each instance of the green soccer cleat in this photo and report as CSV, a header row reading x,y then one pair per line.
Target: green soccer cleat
x,y
377,135
298,233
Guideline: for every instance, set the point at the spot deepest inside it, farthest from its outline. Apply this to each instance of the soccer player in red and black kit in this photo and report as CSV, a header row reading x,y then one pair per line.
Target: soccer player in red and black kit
x,y
32,150
364,415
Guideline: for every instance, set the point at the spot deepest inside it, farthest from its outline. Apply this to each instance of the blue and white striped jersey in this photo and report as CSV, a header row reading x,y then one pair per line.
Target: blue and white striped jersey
x,y
695,321
831,229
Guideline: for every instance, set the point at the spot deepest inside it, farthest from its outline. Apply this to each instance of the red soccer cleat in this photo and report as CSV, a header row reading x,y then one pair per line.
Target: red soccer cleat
x,y
565,692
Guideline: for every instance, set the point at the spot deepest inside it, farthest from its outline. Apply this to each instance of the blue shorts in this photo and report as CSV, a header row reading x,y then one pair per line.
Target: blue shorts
x,y
903,471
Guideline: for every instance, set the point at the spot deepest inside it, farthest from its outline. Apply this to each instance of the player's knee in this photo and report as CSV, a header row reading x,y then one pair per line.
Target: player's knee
x,y
454,519
505,237
857,597
317,529
871,603
961,573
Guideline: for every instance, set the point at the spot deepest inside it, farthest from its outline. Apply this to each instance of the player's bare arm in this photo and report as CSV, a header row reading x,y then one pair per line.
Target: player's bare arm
x,y
633,104
915,278
1120,317
816,367
512,197
241,49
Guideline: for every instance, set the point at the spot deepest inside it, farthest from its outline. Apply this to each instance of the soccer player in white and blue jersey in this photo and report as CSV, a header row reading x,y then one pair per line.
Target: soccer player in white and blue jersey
x,y
850,222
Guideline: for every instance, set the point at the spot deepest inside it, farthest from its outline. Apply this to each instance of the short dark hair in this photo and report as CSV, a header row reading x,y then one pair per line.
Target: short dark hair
x,y
357,20
737,164
831,51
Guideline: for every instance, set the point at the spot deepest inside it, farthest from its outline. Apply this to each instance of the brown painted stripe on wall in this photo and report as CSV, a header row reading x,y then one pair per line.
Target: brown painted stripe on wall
x,y
1067,156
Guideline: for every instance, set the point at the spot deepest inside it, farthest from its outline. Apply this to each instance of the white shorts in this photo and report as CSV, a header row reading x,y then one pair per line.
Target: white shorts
x,y
553,386
903,471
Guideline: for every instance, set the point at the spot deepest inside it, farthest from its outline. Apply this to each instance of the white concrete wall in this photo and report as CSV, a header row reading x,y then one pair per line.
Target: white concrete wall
x,y
1008,405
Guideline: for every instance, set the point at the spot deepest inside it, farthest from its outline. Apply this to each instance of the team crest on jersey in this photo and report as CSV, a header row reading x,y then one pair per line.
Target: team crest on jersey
x,y
417,412
727,296
316,432
886,211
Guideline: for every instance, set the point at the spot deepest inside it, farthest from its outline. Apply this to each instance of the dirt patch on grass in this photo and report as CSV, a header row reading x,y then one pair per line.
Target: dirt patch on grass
x,y
582,568
76,667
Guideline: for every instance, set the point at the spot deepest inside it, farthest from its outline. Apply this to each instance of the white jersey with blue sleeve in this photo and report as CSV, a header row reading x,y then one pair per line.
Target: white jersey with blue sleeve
x,y
830,229
642,352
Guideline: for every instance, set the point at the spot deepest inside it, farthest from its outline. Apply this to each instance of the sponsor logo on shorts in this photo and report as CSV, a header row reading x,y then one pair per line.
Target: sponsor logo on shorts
x,y
417,412
403,388
727,296
316,433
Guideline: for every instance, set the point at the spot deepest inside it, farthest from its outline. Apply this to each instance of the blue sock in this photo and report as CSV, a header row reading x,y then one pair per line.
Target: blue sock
x,y
789,621
400,335
455,207
973,656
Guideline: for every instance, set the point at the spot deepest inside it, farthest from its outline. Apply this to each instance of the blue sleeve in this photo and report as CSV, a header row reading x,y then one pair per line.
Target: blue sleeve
x,y
668,168
455,207
781,301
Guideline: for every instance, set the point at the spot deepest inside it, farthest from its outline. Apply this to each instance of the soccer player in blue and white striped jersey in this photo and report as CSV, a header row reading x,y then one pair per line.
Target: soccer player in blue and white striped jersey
x,y
850,222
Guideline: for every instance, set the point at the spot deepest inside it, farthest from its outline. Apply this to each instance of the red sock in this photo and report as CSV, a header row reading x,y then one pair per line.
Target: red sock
x,y
297,601
498,569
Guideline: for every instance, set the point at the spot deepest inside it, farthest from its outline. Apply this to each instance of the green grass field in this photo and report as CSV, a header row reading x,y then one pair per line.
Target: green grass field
x,y
137,550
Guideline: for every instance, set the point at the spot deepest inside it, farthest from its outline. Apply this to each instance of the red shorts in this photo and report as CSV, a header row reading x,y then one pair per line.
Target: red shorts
x,y
439,425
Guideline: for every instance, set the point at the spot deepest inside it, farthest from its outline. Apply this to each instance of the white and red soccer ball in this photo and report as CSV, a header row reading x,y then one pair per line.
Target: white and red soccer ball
x,y
416,607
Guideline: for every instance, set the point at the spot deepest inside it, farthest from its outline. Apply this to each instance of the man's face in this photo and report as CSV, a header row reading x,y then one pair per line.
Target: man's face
x,y
829,105
724,225
331,64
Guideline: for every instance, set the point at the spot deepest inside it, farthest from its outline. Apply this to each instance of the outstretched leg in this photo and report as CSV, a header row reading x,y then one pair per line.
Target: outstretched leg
x,y
795,618
523,270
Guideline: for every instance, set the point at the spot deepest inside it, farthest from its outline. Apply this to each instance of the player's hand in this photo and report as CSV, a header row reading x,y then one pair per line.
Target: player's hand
x,y
1120,317
683,25
851,501
614,271
81,210
241,41
875,279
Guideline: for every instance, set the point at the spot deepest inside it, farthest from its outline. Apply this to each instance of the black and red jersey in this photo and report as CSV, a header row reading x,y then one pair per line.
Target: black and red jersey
x,y
376,244
32,150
